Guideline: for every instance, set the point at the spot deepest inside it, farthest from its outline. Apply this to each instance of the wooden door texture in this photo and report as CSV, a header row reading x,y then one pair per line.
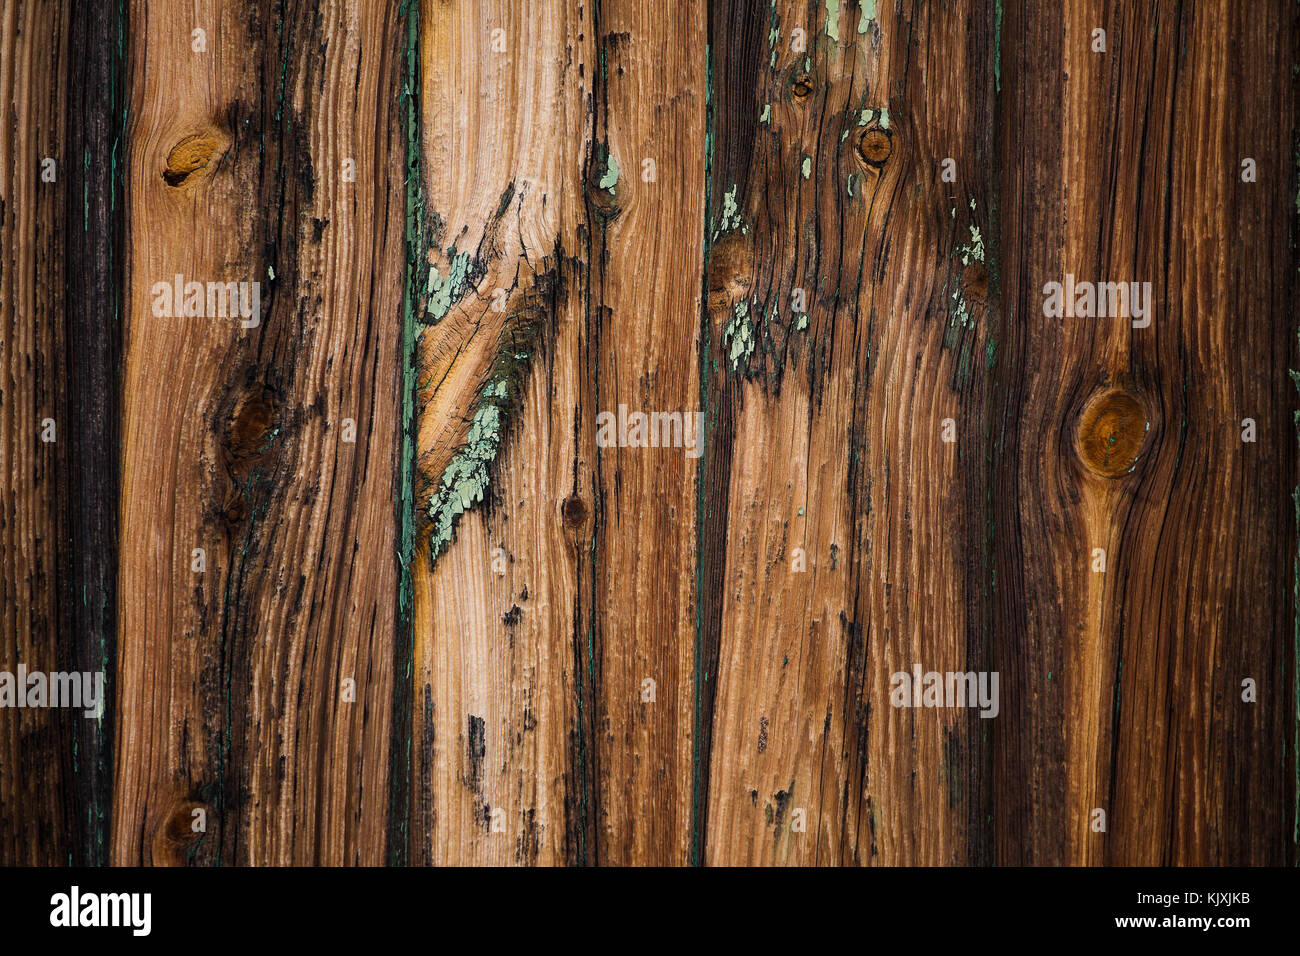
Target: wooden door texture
x,y
628,432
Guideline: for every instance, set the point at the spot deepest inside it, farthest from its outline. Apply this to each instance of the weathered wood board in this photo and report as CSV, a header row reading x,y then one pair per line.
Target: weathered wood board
x,y
606,432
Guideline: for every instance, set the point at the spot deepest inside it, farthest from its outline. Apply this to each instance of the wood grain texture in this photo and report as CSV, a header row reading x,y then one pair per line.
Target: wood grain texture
x,y
541,616
499,610
488,628
853,539
1125,688
59,280
231,681
34,744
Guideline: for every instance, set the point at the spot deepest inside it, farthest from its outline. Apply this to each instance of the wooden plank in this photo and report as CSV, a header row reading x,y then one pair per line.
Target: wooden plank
x,y
35,759
502,564
1124,688
93,223
647,280
535,743
848,320
236,436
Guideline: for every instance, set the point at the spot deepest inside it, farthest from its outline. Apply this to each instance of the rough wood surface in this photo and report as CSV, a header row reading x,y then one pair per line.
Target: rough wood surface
x,y
34,744
231,696
853,540
490,627
1124,689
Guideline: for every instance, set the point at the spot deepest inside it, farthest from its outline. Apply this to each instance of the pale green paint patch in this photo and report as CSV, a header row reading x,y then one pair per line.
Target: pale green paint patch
x,y
731,218
738,335
974,250
800,324
465,479
868,14
833,19
610,179
884,117
766,115
865,116
806,167
444,292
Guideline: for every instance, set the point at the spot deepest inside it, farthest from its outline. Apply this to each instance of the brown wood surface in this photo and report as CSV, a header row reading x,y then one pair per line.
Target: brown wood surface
x,y
478,227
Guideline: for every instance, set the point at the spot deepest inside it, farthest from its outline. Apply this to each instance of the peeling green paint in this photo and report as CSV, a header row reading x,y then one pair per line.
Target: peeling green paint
x,y
884,117
731,218
806,167
766,115
464,481
833,19
446,291
800,324
738,336
972,251
610,179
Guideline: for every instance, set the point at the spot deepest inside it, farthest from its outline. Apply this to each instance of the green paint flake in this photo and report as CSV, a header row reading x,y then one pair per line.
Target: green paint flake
x,y
446,291
833,19
806,167
864,117
800,324
884,117
610,179
738,335
868,14
974,250
465,479
731,218
766,115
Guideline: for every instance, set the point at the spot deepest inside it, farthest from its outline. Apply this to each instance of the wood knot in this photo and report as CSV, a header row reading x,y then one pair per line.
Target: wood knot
x,y
731,266
180,832
801,86
249,431
190,155
874,146
574,511
1112,431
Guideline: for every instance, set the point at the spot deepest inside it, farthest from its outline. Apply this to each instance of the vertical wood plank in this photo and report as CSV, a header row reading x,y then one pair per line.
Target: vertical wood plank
x,y
236,436
1125,686
534,742
647,279
848,319
93,224
502,562
35,744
